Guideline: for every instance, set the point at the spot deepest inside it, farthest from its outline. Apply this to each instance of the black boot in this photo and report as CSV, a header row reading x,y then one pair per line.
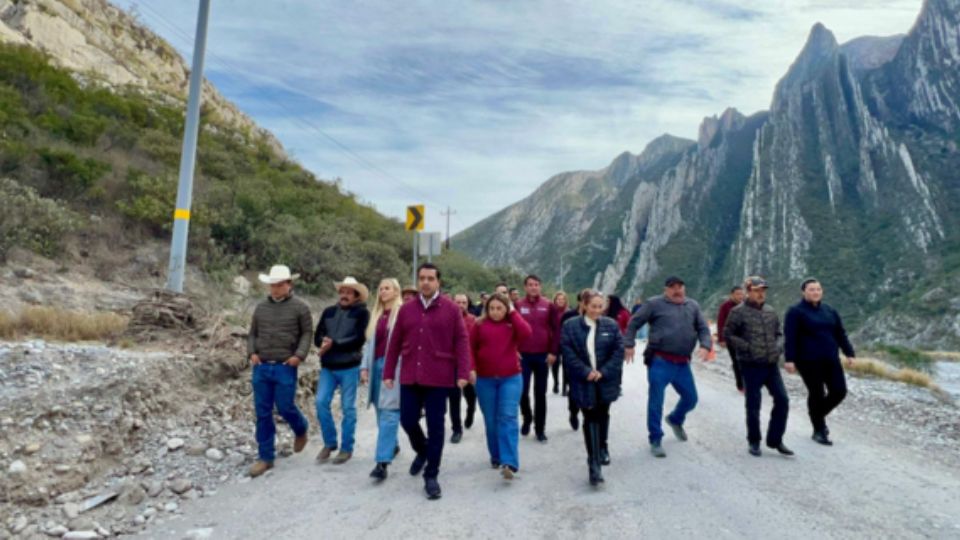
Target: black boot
x,y
604,456
468,421
592,435
574,421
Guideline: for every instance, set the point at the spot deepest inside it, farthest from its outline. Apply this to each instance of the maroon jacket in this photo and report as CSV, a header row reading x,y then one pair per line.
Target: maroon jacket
x,y
541,315
469,321
722,318
495,345
433,343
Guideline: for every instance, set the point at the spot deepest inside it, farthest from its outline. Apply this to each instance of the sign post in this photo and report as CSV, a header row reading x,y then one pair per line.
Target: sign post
x,y
415,223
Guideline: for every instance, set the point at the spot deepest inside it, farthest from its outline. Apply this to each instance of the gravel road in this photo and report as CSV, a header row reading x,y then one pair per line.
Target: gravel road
x,y
869,485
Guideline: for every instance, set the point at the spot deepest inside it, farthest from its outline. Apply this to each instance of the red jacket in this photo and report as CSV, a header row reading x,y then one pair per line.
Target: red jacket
x,y
540,314
495,345
623,320
433,342
722,318
469,321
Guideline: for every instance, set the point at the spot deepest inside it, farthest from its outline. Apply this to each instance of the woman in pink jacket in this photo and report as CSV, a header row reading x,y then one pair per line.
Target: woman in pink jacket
x,y
499,384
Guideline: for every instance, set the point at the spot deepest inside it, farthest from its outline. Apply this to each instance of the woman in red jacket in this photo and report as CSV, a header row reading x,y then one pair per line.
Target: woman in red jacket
x,y
617,312
494,341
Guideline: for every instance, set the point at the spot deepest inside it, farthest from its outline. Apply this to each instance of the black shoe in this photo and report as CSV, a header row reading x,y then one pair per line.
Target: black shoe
x,y
822,438
782,448
755,450
396,450
542,438
468,421
418,463
604,457
574,421
432,488
525,428
596,476
455,438
379,472
494,464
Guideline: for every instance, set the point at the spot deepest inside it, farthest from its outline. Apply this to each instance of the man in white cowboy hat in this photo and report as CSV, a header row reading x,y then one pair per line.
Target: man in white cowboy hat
x,y
278,341
340,335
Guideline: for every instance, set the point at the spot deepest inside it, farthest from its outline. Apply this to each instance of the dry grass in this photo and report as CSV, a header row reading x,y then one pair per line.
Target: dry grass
x,y
875,368
60,324
949,356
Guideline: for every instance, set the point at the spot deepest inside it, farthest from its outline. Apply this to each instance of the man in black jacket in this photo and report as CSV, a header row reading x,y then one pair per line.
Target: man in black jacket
x,y
340,335
753,330
813,337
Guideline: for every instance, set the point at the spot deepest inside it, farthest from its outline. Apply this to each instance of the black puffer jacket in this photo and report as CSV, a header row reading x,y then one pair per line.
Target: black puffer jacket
x,y
754,333
609,350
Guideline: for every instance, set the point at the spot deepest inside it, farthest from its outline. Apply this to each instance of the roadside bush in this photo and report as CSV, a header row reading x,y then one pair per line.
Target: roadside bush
x,y
69,175
30,221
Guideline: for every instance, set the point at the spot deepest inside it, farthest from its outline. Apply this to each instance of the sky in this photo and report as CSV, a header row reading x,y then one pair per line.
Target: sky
x,y
473,104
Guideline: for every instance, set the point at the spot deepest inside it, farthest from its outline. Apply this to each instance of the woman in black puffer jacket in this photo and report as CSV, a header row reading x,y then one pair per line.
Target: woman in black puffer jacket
x,y
593,357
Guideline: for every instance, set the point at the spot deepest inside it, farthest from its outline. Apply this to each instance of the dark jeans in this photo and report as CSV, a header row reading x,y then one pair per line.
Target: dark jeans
x,y
535,366
470,394
599,415
275,385
433,401
737,371
555,369
827,386
755,378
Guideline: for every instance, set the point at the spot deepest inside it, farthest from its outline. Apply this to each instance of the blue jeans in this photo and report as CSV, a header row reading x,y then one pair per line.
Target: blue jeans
x,y
388,420
347,380
275,385
660,374
498,397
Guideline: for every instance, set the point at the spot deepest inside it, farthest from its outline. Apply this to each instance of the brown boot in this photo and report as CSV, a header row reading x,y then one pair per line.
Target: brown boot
x,y
259,467
299,443
324,454
342,458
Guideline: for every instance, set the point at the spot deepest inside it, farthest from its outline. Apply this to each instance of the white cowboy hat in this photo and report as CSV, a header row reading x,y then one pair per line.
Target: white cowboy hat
x,y
352,283
278,274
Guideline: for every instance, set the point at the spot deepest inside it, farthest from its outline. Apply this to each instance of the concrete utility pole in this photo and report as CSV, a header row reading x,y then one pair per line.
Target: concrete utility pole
x,y
188,157
448,213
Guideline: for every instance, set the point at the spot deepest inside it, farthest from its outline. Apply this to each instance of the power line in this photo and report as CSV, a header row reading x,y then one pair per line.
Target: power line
x,y
296,115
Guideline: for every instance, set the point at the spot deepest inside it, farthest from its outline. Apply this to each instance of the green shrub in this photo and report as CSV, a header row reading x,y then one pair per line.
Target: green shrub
x,y
907,358
69,175
30,221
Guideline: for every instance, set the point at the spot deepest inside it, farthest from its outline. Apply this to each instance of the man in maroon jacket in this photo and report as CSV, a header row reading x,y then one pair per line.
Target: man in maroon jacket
x,y
735,299
537,354
432,339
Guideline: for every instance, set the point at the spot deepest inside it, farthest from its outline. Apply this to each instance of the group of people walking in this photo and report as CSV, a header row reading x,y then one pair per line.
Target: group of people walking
x,y
420,351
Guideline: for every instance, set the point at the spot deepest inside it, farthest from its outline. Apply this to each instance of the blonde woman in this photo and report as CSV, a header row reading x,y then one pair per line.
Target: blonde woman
x,y
386,400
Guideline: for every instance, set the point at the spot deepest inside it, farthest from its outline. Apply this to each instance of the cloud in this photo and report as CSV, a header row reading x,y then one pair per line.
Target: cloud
x,y
473,104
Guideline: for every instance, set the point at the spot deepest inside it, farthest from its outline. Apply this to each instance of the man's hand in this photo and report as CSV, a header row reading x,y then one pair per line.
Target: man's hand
x,y
325,345
704,354
850,361
388,383
364,376
254,359
293,361
473,377
594,376
551,359
462,383
790,367
628,354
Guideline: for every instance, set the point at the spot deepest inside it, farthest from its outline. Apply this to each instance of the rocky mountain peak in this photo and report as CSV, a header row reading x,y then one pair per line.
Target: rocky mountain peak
x,y
711,125
820,50
870,52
